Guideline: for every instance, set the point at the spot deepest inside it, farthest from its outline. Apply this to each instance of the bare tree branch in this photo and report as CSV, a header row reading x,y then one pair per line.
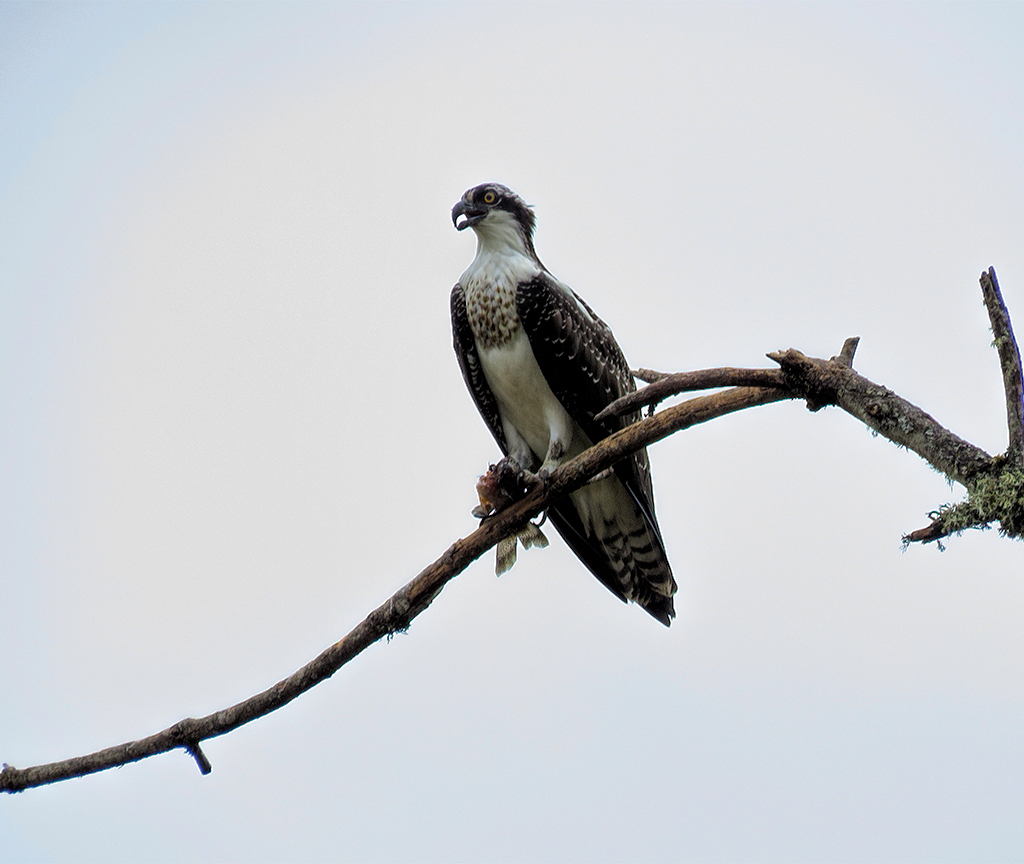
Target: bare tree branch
x,y
995,493
672,384
832,382
397,613
995,485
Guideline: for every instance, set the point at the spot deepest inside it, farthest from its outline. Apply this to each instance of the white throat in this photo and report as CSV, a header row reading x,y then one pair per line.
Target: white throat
x,y
502,258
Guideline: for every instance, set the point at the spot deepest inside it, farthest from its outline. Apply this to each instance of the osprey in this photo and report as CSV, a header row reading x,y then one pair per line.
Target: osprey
x,y
540,364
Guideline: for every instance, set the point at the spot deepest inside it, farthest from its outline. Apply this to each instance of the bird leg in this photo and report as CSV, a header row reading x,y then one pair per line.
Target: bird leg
x,y
556,450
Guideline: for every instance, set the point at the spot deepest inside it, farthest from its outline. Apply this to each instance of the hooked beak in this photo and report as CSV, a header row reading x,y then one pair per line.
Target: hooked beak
x,y
472,214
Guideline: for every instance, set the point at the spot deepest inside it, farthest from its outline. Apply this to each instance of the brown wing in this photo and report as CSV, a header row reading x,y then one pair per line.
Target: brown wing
x,y
585,369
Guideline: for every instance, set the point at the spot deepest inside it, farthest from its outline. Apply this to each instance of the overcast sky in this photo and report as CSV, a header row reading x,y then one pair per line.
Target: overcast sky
x,y
232,424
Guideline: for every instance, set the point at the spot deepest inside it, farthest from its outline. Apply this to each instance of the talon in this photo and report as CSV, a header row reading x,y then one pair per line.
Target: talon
x,y
502,485
532,481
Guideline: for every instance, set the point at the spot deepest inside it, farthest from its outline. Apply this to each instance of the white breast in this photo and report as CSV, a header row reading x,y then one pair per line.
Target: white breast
x,y
530,413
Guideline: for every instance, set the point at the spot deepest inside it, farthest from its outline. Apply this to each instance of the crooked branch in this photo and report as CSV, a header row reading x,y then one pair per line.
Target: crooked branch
x,y
832,382
996,484
829,382
397,613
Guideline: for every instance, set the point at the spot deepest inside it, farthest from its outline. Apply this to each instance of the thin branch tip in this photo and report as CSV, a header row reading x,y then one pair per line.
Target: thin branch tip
x,y
648,376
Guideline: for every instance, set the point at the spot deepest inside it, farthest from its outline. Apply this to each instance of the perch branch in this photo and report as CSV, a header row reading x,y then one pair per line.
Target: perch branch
x,y
397,613
997,484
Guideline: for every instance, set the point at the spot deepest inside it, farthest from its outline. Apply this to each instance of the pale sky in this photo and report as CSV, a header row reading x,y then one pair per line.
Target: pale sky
x,y
232,424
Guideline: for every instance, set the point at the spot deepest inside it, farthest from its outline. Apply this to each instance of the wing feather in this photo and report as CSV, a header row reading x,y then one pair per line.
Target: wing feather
x,y
585,369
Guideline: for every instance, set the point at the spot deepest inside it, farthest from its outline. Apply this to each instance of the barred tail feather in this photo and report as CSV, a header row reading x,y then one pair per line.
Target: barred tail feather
x,y
612,536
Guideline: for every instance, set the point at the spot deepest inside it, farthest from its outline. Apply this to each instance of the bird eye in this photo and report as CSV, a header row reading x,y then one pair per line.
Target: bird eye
x,y
490,197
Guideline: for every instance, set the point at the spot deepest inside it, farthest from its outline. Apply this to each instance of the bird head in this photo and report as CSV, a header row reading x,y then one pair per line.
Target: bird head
x,y
493,207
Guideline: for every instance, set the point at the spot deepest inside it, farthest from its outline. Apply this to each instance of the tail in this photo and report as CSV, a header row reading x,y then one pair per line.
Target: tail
x,y
604,525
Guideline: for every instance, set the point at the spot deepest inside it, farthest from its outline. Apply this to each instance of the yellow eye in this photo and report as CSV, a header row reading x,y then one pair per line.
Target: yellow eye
x,y
489,197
